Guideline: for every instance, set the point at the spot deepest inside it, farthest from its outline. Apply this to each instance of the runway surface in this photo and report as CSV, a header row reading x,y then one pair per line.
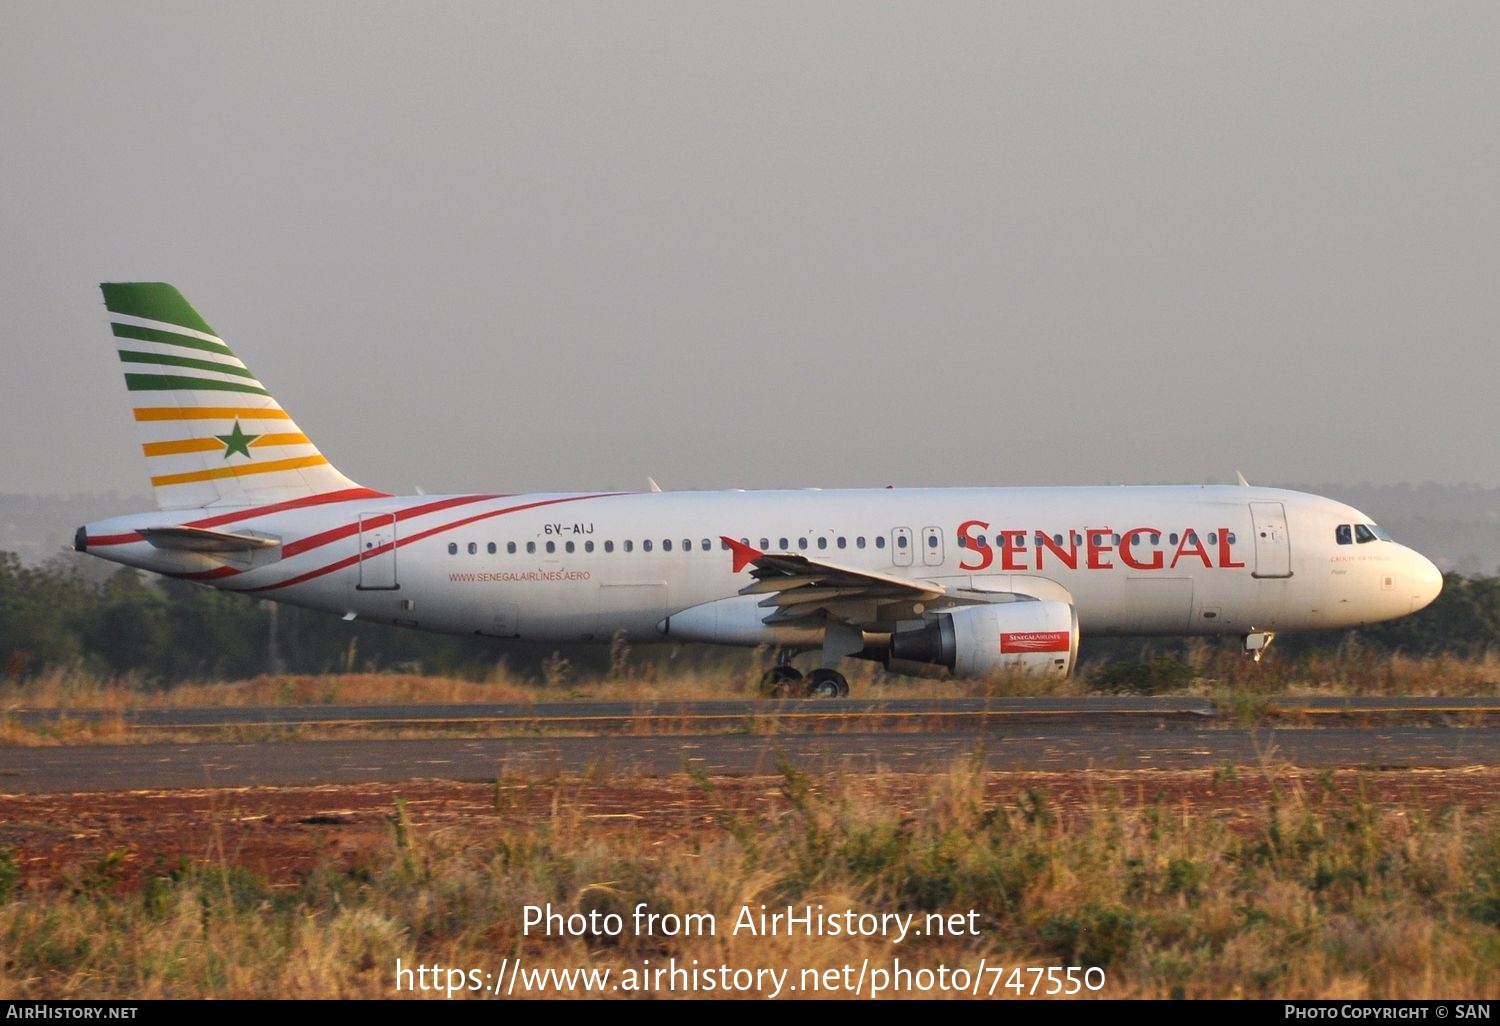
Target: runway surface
x,y
747,737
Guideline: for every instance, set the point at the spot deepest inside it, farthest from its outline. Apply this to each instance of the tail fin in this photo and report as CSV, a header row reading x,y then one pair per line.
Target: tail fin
x,y
212,434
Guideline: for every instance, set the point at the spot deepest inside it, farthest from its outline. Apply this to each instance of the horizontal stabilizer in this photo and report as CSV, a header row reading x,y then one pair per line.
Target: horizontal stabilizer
x,y
198,539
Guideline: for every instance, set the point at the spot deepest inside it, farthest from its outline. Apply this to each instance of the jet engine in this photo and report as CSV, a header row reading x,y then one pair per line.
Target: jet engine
x,y
975,641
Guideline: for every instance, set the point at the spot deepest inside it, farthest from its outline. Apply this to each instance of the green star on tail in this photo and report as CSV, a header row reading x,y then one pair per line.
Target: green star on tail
x,y
237,442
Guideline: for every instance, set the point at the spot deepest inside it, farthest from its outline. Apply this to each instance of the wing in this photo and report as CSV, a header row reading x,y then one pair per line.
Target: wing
x,y
799,590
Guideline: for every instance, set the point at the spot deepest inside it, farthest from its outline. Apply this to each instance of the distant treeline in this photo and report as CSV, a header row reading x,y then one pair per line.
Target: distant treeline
x,y
164,631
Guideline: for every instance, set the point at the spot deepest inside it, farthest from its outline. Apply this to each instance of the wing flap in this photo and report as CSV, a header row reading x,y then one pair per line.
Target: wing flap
x,y
800,596
799,589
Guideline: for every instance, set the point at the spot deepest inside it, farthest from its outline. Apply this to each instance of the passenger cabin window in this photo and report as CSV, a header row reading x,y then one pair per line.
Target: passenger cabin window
x,y
453,548
629,545
552,546
531,547
880,541
646,545
609,546
568,546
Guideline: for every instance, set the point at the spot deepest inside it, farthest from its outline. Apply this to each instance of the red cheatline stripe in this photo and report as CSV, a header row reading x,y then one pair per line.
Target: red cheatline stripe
x,y
251,512
441,528
113,539
208,575
314,541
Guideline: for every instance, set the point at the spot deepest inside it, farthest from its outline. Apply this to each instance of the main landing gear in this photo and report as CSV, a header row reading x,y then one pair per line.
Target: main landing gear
x,y
825,682
785,681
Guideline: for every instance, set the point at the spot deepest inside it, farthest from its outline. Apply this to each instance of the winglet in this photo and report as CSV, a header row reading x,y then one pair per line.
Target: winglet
x,y
1243,482
744,554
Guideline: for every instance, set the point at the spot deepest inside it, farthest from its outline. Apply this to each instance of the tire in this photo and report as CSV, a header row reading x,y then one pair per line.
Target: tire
x,y
826,683
782,681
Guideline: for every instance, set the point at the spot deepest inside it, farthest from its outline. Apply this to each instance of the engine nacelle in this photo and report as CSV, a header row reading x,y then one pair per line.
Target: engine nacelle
x,y
975,641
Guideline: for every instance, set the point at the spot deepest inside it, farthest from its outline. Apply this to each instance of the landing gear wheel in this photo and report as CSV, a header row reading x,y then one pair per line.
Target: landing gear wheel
x,y
782,681
826,683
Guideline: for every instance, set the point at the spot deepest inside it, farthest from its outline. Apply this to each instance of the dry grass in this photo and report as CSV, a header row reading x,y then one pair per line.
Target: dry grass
x,y
1317,891
1205,669
1235,684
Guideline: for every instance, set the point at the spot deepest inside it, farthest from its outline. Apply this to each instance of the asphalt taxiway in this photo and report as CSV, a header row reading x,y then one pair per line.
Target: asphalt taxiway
x,y
748,737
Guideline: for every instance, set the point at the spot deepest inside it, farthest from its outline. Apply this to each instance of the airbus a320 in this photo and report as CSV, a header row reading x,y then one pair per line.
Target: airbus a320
x,y
931,581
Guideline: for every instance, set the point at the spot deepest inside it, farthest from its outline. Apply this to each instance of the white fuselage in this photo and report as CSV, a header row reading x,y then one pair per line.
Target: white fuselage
x,y
581,567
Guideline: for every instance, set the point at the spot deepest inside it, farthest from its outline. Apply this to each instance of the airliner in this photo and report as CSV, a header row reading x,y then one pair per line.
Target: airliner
x,y
962,582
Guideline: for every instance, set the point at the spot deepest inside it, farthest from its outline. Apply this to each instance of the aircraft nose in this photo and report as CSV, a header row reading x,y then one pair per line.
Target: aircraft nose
x,y
1427,580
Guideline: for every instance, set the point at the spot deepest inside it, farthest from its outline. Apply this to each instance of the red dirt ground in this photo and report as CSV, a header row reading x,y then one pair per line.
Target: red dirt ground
x,y
115,840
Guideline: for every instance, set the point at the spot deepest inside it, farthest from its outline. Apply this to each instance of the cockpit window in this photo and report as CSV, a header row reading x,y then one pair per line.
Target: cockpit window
x,y
1349,534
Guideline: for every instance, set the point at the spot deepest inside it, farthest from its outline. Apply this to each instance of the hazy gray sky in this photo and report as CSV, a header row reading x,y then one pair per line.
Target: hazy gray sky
x,y
527,246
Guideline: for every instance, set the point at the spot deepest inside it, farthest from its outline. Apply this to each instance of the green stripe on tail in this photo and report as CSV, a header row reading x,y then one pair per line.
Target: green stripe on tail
x,y
155,301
